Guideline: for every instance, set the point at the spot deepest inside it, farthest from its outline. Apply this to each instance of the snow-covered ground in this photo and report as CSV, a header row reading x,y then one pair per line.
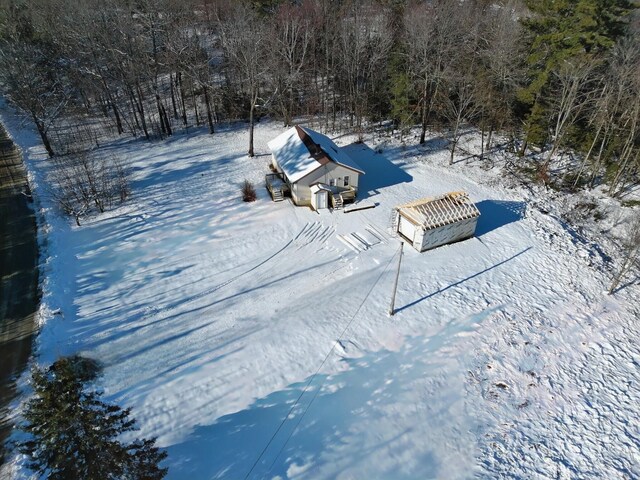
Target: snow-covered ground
x,y
254,339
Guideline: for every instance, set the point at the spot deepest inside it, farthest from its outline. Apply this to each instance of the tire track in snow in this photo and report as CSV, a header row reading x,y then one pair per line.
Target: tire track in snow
x,y
313,237
211,290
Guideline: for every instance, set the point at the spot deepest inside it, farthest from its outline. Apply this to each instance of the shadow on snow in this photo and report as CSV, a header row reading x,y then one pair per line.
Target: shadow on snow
x,y
379,171
459,282
333,435
498,213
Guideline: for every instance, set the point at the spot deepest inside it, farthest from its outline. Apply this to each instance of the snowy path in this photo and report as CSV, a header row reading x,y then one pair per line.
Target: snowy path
x,y
211,316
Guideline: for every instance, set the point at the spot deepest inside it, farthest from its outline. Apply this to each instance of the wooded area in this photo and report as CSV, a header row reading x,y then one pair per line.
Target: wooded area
x,y
554,75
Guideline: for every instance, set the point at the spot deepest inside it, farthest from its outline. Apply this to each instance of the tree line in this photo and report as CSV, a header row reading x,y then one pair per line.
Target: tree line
x,y
552,75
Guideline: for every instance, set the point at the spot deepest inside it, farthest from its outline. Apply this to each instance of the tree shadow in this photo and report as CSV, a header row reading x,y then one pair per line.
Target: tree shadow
x,y
379,171
634,281
327,437
498,213
459,282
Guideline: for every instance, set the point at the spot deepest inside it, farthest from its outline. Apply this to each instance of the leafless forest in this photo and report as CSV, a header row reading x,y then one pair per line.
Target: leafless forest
x,y
561,78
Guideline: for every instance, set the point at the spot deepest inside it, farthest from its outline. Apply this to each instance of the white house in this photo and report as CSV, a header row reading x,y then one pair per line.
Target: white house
x,y
313,169
431,222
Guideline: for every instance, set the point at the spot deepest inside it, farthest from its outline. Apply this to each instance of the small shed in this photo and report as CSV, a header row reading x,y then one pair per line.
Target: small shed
x,y
431,222
320,196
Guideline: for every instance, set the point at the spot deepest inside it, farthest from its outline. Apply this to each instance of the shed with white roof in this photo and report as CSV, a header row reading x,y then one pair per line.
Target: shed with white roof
x,y
302,159
431,222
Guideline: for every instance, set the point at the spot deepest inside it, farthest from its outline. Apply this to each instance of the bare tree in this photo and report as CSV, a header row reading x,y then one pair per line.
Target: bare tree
x,y
243,36
187,52
573,93
35,83
290,40
364,44
433,38
500,59
83,182
630,253
458,106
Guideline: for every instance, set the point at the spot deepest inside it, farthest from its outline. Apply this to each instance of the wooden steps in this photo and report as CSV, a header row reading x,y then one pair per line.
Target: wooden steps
x,y
277,196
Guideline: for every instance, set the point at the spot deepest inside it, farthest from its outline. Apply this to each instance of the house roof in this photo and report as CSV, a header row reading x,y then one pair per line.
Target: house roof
x,y
429,213
299,151
319,186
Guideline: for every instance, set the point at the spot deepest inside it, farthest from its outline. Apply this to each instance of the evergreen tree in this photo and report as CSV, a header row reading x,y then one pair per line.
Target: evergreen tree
x,y
562,29
559,31
74,435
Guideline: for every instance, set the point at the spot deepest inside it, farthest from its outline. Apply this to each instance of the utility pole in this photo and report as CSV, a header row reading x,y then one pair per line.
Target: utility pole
x,y
395,284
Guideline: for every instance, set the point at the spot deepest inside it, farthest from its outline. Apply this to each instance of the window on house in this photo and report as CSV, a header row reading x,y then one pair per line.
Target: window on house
x,y
332,182
346,180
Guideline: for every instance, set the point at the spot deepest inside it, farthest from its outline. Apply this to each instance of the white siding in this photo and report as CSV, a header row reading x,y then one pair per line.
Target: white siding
x,y
301,193
447,234
406,228
319,200
332,171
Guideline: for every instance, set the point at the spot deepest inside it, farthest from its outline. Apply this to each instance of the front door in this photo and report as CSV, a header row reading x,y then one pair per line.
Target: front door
x,y
321,199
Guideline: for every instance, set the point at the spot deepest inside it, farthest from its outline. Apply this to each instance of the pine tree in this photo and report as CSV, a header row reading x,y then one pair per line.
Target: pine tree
x,y
74,435
562,31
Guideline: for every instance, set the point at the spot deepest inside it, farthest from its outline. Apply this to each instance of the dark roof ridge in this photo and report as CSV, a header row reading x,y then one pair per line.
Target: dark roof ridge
x,y
315,150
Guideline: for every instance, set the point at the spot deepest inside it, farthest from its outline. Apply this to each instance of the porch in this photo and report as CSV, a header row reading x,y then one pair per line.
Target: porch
x,y
277,186
341,195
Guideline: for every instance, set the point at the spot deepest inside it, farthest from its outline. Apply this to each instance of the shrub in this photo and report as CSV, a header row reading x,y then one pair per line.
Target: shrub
x,y
248,192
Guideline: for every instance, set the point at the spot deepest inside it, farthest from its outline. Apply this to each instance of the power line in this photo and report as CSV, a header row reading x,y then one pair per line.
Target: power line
x,y
310,382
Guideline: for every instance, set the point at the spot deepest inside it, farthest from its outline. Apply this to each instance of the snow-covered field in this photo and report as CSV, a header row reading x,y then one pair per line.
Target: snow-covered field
x,y
254,339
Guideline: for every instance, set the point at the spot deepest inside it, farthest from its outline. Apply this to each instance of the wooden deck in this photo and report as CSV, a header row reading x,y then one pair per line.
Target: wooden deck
x,y
342,195
277,186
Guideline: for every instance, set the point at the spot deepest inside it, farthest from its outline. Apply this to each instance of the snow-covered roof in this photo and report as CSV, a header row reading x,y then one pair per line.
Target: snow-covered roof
x,y
319,186
430,213
299,151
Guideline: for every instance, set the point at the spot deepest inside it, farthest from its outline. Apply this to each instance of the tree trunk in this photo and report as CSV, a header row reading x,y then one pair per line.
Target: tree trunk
x,y
43,135
133,111
423,120
254,99
114,107
585,160
524,147
165,126
626,155
167,123
173,97
181,91
453,151
250,153
489,136
596,166
163,129
116,114
208,105
195,105
140,107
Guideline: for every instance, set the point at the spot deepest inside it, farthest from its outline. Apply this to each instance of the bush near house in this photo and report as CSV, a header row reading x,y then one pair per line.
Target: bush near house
x,y
248,192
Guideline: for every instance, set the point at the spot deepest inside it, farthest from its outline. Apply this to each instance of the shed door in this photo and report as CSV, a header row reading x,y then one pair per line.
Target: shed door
x,y
406,228
321,199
